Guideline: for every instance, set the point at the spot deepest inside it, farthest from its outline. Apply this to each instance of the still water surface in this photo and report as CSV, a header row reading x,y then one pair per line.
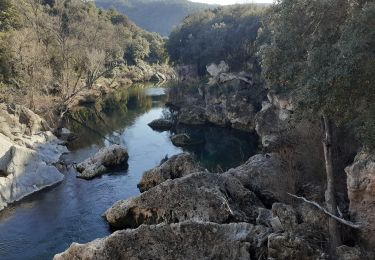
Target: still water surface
x,y
46,223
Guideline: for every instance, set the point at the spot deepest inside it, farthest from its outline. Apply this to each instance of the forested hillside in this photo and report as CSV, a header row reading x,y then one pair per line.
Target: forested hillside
x,y
225,33
154,15
60,47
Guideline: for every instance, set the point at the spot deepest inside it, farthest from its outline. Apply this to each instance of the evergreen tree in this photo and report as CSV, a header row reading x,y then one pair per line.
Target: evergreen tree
x,y
321,52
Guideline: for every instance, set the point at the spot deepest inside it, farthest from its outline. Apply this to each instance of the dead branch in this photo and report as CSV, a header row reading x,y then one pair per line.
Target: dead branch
x,y
341,220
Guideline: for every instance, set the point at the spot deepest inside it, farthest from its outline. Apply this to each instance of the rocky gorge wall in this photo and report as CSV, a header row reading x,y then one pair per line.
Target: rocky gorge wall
x,y
361,192
228,100
296,142
187,212
28,154
242,101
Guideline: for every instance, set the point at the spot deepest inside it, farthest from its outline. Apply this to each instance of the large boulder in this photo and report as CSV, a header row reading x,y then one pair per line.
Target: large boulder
x,y
27,154
175,167
286,214
267,176
105,159
204,196
285,246
187,240
161,124
353,253
216,69
17,121
181,140
65,134
271,124
361,193
192,115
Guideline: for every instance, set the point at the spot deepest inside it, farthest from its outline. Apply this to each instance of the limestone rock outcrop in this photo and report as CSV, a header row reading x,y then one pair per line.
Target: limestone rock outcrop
x,y
28,152
361,193
266,175
105,159
230,99
285,246
161,124
203,196
175,167
353,253
187,240
216,69
271,124
141,72
181,140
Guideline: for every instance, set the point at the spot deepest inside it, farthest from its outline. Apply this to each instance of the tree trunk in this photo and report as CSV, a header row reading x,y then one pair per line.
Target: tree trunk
x,y
333,225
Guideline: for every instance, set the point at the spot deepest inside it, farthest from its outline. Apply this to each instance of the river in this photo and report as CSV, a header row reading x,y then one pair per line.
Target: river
x,y
47,222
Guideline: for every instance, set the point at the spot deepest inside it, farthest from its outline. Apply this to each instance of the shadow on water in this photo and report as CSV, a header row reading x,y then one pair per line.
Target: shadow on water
x,y
47,222
219,149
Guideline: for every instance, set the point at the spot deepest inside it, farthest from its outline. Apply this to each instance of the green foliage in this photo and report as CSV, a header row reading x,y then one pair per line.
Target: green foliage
x,y
226,33
8,15
321,52
138,49
9,19
154,15
60,47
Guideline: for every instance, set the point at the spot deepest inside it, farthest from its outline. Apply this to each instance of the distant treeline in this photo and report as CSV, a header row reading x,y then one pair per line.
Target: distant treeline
x,y
159,16
225,33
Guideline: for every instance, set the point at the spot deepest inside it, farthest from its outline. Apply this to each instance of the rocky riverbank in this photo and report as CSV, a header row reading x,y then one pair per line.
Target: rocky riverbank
x,y
123,76
180,199
29,153
186,216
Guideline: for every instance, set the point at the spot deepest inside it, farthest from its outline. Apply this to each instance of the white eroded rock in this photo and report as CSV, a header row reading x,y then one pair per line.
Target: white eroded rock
x,y
361,193
27,154
187,240
102,161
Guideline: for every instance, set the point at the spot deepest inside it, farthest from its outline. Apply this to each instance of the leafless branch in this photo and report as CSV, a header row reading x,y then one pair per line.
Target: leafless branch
x,y
341,220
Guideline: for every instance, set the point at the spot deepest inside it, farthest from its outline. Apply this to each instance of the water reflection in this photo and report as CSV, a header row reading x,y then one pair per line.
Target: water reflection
x,y
48,222
218,148
108,118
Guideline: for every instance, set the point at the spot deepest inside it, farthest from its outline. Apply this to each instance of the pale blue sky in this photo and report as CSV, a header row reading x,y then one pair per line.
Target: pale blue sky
x,y
229,2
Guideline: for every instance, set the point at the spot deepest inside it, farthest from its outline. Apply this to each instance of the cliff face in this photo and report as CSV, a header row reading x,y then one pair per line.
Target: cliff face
x,y
28,152
227,100
361,193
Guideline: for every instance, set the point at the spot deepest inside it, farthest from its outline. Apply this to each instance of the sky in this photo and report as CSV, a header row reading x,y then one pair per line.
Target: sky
x,y
229,2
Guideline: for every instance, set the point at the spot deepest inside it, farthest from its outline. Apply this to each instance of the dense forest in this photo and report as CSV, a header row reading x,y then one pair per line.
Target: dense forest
x,y
57,48
159,16
322,52
225,33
